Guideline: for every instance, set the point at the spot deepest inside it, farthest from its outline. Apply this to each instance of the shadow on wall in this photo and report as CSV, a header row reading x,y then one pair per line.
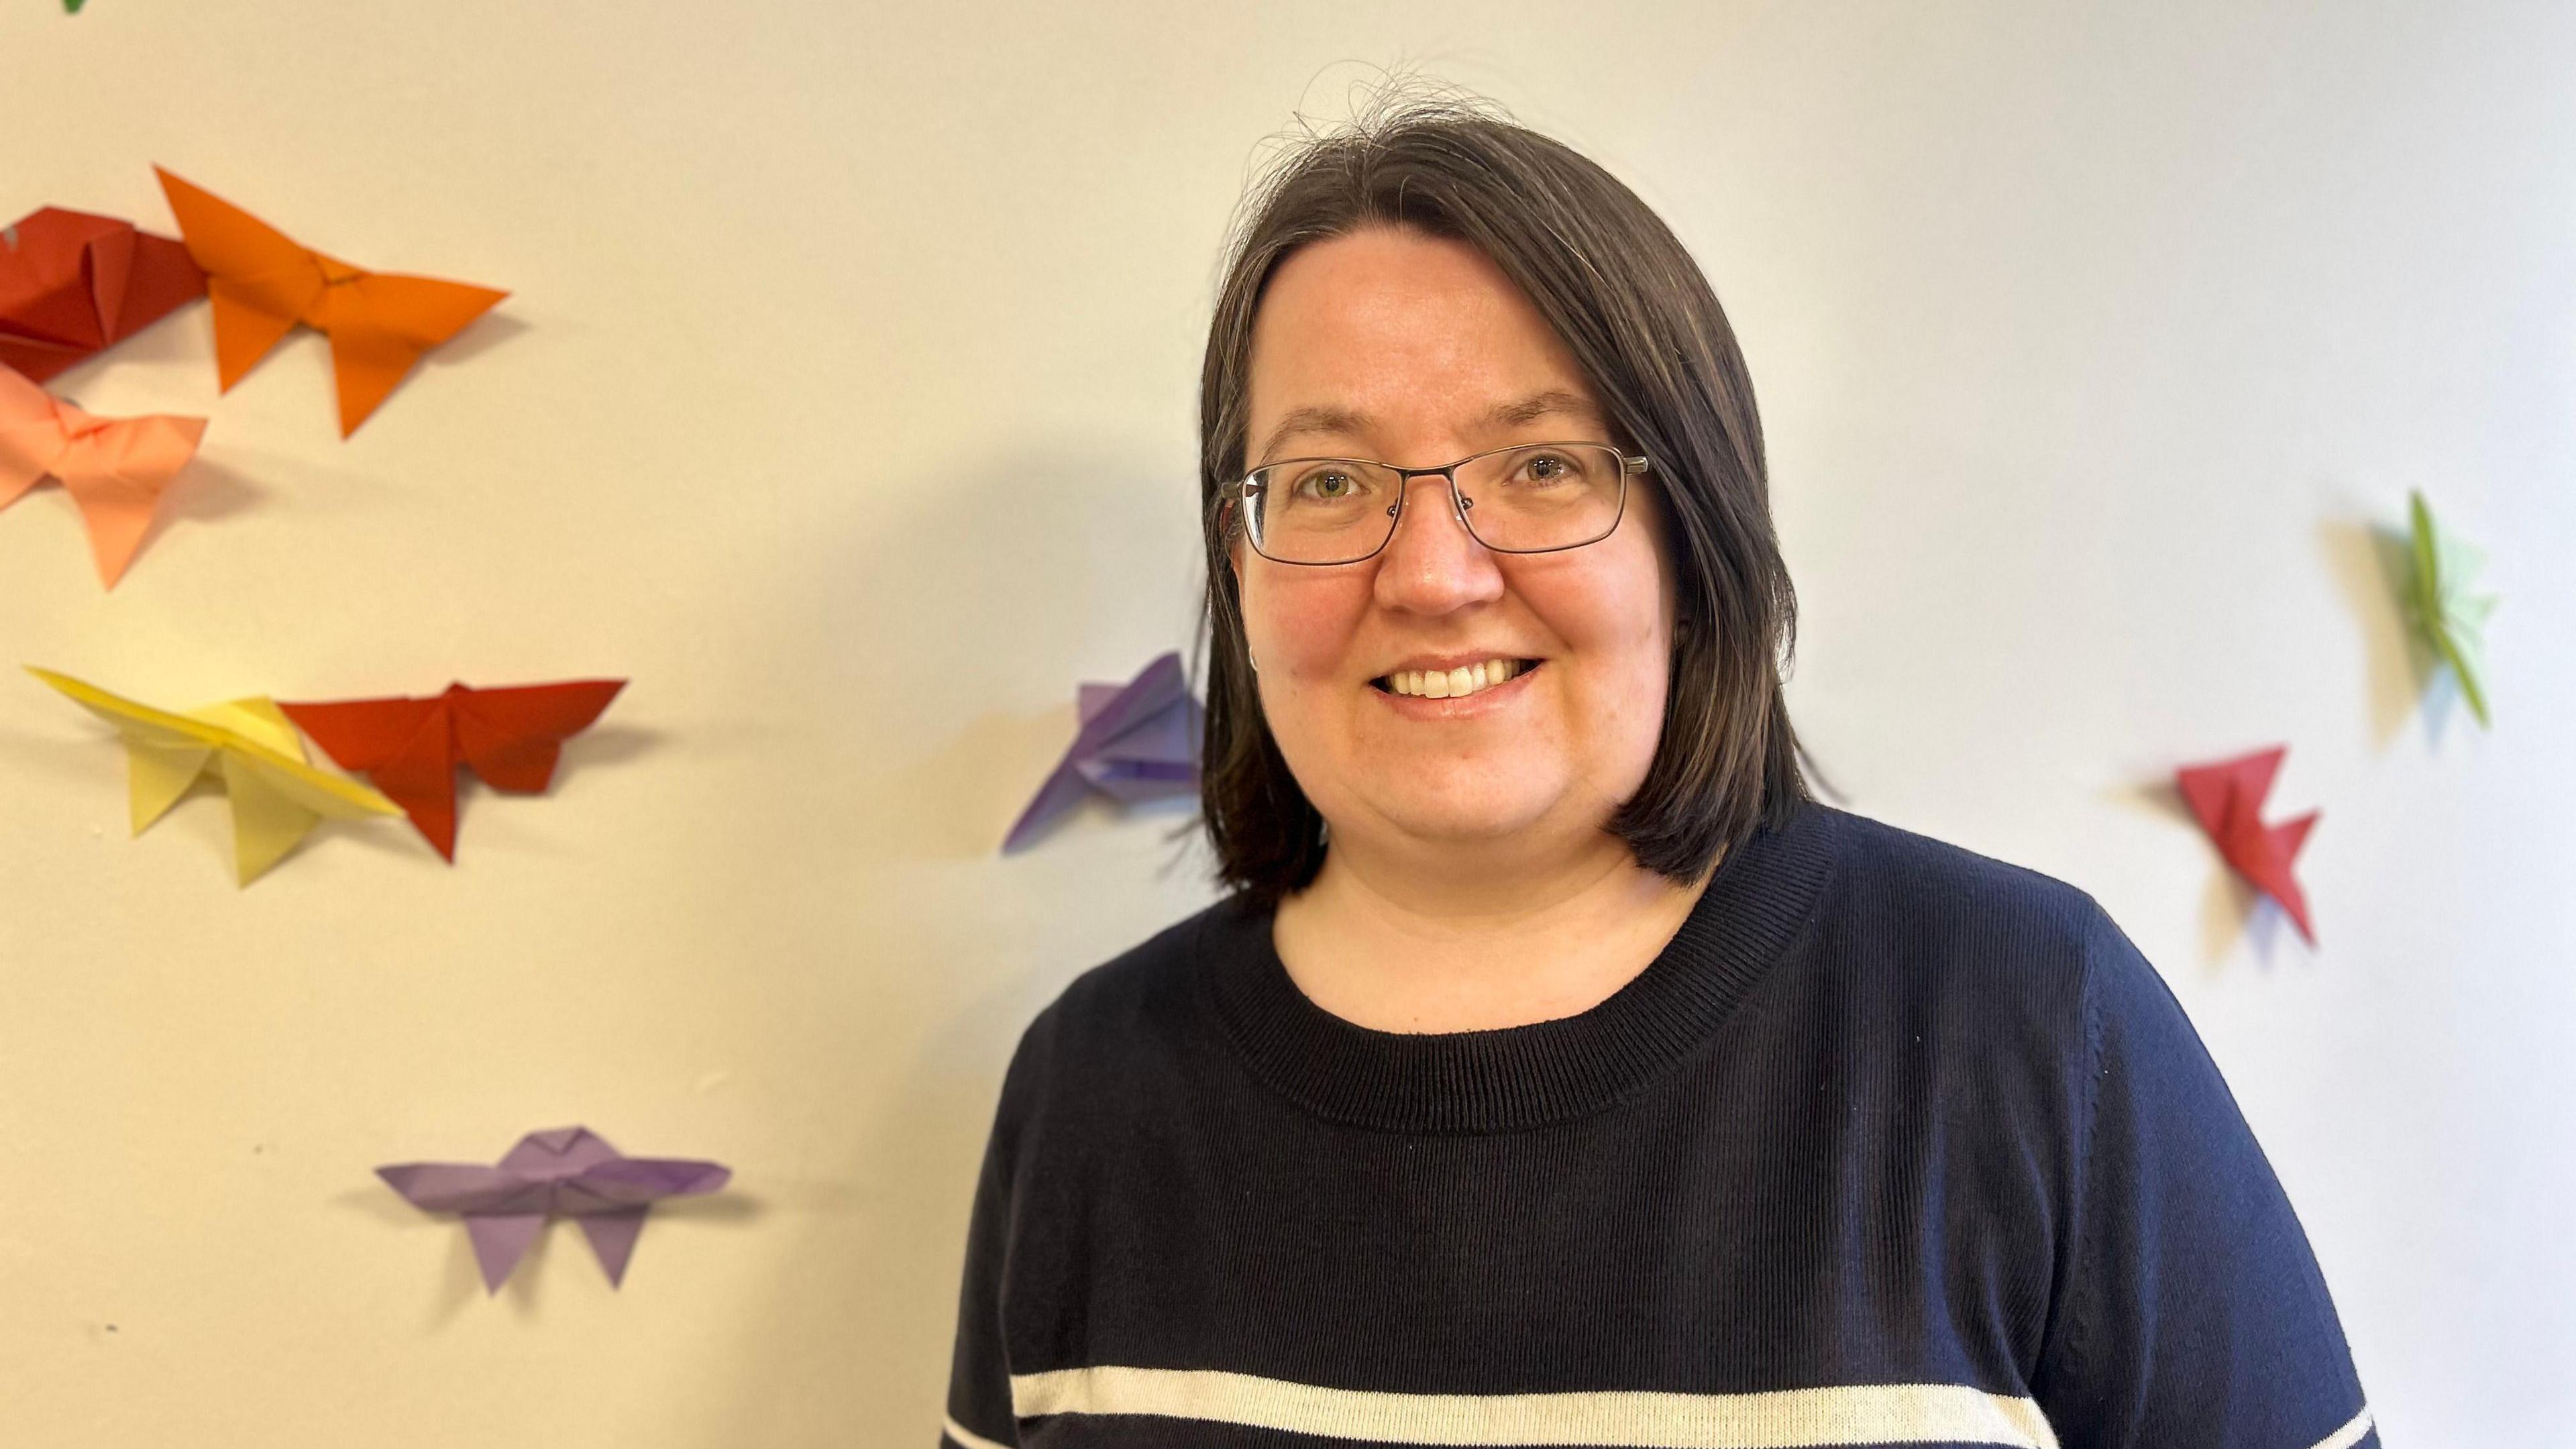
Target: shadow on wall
x,y
2230,910
864,1357
2373,563
965,615
925,644
460,1277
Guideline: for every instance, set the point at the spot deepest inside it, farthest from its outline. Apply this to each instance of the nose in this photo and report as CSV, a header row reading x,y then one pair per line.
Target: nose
x,y
1433,565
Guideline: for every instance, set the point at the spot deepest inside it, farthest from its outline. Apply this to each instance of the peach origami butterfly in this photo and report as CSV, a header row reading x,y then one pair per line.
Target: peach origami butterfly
x,y
114,468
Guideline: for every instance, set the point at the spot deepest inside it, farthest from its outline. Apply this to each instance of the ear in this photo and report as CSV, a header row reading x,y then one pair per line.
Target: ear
x,y
1234,547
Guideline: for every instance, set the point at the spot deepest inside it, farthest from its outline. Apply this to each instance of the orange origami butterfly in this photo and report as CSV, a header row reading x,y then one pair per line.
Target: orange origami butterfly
x,y
263,284
114,468
411,747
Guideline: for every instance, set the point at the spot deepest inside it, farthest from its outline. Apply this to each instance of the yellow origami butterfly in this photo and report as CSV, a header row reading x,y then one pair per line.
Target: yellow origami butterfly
x,y
276,796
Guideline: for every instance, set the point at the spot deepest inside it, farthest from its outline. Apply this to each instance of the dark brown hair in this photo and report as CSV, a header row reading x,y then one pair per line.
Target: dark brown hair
x,y
1630,303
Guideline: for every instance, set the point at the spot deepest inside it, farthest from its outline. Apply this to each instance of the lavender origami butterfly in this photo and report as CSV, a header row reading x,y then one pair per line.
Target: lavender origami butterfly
x,y
566,1172
1139,740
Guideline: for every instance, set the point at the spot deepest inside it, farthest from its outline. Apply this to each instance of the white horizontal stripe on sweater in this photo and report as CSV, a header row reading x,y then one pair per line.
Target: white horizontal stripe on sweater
x,y
1783,1419
966,1438
2350,1434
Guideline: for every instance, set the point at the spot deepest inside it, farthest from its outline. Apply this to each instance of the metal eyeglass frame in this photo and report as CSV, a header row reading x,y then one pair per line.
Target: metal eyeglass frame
x,y
1244,488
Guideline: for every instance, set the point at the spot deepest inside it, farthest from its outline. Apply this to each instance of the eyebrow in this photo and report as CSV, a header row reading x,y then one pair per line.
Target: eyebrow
x,y
1347,422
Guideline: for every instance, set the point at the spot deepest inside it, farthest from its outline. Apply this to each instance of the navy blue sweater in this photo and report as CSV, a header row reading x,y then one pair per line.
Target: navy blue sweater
x,y
1891,1144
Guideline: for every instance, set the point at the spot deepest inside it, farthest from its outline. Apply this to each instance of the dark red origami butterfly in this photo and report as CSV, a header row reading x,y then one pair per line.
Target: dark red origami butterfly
x,y
72,283
412,747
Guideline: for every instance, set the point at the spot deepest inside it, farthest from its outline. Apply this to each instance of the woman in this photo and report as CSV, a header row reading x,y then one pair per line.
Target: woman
x,y
1558,1074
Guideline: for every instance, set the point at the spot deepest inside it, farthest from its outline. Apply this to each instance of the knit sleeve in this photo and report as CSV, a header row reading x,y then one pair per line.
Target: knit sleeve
x,y
2191,1310
979,1379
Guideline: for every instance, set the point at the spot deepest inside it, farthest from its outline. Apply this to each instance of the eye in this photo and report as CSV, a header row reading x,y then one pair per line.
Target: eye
x,y
1328,485
1549,468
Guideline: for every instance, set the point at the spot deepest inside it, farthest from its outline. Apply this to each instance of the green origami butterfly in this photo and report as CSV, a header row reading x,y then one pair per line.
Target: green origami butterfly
x,y
2445,614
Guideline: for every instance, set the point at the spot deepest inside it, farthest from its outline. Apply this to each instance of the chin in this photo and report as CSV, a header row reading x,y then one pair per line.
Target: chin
x,y
1452,818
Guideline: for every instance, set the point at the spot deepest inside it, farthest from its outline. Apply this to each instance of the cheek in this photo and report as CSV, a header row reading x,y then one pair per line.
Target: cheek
x,y
1608,605
1299,622
1615,621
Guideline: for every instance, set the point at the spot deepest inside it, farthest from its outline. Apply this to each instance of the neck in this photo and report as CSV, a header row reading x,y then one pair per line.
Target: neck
x,y
1432,939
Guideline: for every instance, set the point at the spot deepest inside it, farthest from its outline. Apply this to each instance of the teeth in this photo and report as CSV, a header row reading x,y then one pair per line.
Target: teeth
x,y
1453,683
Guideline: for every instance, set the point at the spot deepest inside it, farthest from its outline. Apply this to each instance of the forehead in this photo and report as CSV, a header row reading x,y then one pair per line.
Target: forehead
x,y
1405,333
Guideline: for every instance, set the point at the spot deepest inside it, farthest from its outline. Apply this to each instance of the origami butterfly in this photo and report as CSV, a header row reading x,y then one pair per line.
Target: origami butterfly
x,y
2227,799
72,283
565,1172
263,284
412,747
276,796
2447,617
1138,740
114,468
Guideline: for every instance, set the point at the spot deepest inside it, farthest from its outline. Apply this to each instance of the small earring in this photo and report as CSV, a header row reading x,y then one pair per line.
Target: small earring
x,y
1248,659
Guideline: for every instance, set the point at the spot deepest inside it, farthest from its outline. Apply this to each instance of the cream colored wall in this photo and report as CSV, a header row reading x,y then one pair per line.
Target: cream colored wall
x,y
845,403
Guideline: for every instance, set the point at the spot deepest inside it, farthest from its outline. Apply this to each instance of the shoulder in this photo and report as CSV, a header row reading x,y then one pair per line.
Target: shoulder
x,y
1941,901
1124,1015
1978,948
1890,876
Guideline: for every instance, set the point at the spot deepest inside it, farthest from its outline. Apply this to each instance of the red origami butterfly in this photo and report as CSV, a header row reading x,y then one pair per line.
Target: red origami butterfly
x,y
411,747
2227,799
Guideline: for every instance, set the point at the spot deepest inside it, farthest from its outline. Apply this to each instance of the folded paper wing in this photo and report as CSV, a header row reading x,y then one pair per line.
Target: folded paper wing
x,y
466,1187
2449,619
1156,752
563,1172
1138,741
115,469
72,284
277,797
2227,799
511,738
264,283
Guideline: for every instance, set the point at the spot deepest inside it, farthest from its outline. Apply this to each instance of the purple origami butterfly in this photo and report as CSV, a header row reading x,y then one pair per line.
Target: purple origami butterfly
x,y
567,1172
1139,740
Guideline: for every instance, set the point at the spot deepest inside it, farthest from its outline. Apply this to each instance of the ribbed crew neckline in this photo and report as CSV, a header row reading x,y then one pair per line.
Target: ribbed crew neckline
x,y
1518,1077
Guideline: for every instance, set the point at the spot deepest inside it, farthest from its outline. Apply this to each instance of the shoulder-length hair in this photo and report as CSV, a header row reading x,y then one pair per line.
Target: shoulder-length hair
x,y
1631,304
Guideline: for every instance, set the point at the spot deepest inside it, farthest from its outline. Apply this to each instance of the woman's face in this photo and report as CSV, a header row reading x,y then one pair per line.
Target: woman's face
x,y
1392,345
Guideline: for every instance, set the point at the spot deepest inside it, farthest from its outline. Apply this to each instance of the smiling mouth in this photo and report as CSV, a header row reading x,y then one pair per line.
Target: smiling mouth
x,y
1452,683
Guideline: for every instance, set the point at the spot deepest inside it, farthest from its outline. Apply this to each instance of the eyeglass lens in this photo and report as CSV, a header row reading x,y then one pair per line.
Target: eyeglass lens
x,y
1521,500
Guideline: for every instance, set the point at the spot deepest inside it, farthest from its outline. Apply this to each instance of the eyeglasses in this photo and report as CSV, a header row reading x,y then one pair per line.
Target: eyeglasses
x,y
1533,498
